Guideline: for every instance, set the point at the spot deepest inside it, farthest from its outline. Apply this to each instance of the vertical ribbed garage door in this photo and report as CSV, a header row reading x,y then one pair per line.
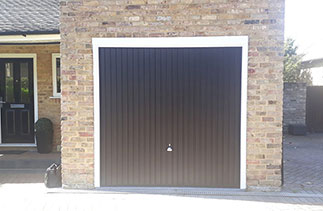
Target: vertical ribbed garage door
x,y
188,98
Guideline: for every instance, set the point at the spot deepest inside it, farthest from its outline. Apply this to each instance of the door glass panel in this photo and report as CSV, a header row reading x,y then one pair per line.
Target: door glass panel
x,y
24,83
58,75
10,97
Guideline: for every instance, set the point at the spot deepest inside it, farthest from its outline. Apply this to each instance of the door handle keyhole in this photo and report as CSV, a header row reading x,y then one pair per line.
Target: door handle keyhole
x,y
169,148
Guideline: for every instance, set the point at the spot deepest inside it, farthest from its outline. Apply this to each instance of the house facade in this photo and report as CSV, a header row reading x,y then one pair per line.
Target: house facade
x,y
29,69
172,93
156,93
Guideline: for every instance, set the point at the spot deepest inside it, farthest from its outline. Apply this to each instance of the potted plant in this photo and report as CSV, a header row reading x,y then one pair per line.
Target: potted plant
x,y
44,135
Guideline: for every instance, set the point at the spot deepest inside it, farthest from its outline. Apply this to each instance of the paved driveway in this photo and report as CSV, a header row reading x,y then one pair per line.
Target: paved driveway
x,y
22,189
303,163
24,166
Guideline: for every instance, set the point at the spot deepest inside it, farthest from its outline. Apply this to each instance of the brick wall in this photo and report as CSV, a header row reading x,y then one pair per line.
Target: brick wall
x,y
294,104
262,21
47,107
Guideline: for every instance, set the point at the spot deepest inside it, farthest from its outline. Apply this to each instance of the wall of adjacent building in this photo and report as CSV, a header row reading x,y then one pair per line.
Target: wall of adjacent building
x,y
294,104
47,106
262,21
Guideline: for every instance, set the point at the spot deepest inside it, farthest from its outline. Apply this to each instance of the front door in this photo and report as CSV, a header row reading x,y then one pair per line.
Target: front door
x,y
17,101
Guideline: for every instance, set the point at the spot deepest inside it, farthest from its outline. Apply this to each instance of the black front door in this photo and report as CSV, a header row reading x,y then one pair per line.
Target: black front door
x,y
17,100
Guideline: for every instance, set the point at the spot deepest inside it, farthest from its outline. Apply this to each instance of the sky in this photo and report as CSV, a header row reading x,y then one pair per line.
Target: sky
x,y
304,23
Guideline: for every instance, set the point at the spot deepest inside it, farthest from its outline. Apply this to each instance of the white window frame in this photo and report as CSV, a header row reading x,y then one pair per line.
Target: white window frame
x,y
54,73
173,42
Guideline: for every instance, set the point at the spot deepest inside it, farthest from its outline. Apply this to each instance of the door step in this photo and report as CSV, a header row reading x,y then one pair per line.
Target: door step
x,y
11,148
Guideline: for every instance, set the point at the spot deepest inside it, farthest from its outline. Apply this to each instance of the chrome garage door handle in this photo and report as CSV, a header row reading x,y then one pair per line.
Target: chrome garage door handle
x,y
169,148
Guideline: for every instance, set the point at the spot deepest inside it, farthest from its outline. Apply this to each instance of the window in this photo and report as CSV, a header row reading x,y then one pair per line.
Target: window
x,y
56,62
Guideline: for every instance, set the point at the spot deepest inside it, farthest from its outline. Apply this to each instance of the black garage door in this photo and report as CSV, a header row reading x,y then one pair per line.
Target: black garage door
x,y
170,116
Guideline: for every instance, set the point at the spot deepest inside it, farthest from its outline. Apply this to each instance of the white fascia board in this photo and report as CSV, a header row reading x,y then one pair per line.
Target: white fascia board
x,y
35,38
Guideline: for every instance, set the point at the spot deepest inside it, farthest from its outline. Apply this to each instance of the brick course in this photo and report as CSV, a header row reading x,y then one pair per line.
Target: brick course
x,y
261,20
47,107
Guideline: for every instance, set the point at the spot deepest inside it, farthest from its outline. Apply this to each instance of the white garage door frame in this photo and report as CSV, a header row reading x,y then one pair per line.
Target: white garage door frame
x,y
173,42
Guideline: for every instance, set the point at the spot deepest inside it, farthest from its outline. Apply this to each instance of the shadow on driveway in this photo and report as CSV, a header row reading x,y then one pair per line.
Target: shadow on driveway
x,y
25,166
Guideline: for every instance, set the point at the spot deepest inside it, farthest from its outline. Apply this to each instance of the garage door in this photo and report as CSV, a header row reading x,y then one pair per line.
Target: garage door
x,y
170,117
314,105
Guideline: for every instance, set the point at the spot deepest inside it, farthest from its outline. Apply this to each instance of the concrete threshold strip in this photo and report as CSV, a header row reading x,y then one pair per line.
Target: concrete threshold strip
x,y
183,192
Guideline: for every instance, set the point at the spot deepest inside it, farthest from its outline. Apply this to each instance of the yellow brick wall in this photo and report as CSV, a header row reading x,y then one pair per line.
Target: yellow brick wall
x,y
47,106
261,20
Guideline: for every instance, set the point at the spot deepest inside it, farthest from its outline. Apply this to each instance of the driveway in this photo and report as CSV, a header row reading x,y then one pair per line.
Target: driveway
x,y
303,163
23,188
24,166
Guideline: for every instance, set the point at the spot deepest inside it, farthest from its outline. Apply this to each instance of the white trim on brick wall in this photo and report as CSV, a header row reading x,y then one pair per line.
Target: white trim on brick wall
x,y
29,56
173,42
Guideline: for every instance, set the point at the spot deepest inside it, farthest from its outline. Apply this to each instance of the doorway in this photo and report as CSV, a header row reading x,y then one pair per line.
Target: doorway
x,y
17,100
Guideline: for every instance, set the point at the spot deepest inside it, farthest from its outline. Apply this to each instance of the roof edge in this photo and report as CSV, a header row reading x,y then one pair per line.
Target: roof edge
x,y
29,32
312,63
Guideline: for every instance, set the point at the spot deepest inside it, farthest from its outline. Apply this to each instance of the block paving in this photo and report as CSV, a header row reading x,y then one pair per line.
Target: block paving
x,y
303,163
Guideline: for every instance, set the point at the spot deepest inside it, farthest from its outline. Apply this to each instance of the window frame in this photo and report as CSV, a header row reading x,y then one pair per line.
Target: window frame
x,y
54,74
